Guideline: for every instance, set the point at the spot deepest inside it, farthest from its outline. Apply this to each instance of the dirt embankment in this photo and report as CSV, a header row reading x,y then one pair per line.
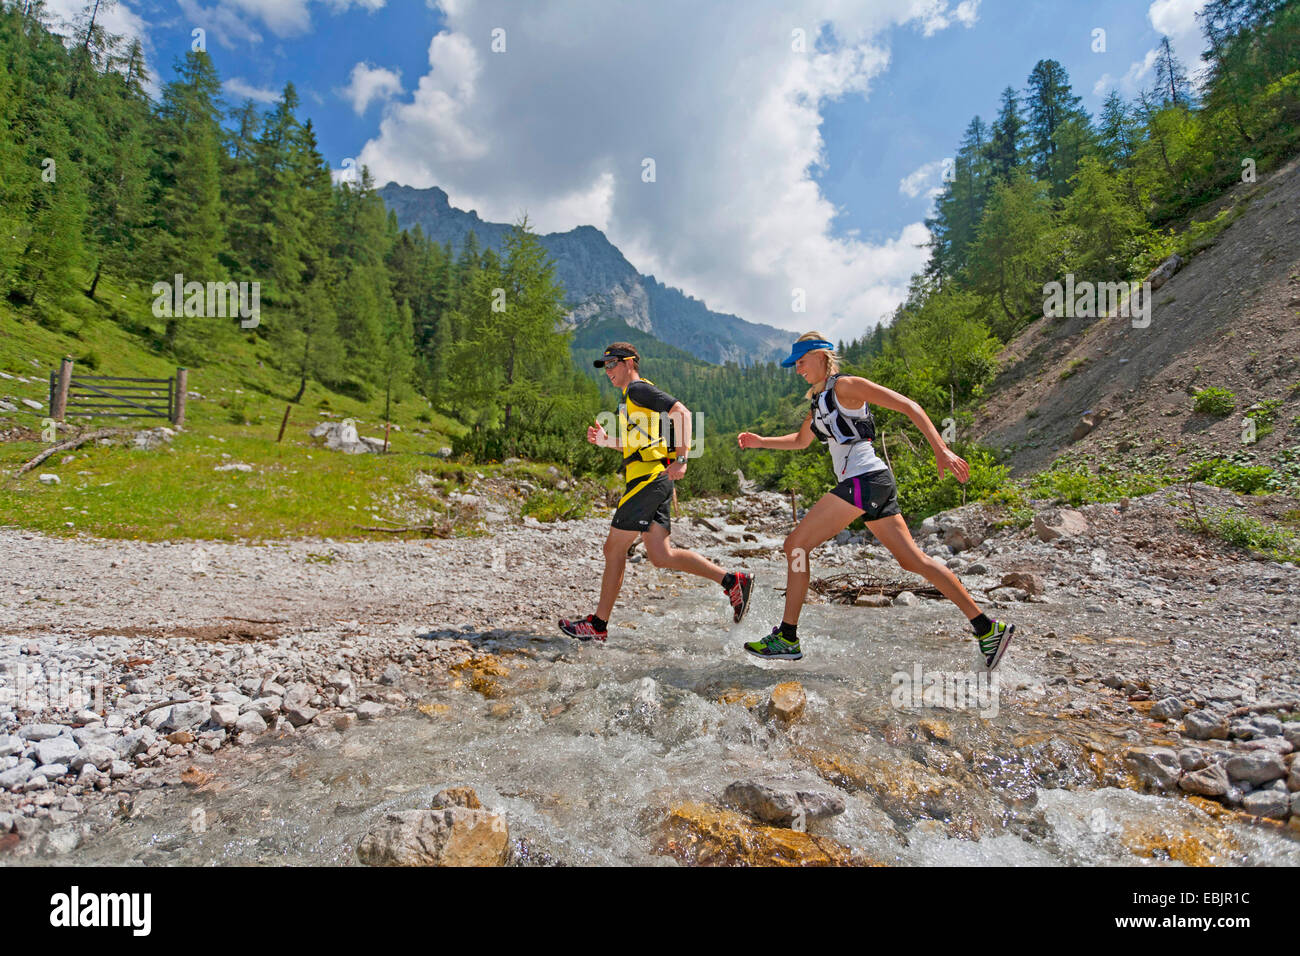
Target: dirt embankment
x,y
1230,318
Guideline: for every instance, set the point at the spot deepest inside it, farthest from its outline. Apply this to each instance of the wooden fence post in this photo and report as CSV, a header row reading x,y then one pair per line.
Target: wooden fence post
x,y
283,422
178,415
60,403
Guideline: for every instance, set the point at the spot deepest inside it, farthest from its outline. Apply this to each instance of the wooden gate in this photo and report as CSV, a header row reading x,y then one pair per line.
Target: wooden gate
x,y
116,395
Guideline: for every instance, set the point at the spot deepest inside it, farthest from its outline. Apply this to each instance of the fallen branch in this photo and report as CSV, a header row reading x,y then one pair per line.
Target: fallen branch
x,y
435,531
1259,708
166,703
696,519
847,588
69,445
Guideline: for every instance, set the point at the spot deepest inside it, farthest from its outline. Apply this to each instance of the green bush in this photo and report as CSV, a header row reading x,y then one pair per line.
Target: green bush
x,y
1076,485
1214,401
1244,531
1242,478
922,493
548,505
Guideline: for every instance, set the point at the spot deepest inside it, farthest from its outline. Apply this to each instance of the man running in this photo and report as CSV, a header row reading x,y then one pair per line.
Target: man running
x,y
840,418
651,466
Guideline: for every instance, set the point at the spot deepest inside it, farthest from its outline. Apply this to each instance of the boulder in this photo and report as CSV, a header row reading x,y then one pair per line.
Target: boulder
x,y
781,804
1169,708
1025,580
1205,725
1164,272
450,836
185,716
699,835
1267,803
1059,523
787,701
963,528
56,750
1156,767
1212,781
1256,767
456,797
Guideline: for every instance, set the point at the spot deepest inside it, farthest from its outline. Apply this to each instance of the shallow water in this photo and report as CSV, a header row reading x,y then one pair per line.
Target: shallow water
x,y
584,747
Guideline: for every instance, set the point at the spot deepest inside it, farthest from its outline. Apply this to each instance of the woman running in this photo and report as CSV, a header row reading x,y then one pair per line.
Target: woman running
x,y
840,418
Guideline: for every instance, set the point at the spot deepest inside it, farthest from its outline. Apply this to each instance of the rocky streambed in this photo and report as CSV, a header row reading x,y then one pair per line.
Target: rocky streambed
x,y
311,702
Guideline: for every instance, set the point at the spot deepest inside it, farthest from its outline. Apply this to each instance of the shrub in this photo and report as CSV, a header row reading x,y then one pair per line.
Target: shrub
x,y
1243,531
1242,478
1214,401
548,505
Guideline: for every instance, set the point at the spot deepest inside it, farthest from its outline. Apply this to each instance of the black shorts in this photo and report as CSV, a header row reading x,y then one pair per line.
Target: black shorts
x,y
651,505
875,494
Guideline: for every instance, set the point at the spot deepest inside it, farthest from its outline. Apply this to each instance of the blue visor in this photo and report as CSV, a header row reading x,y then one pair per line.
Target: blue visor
x,y
803,348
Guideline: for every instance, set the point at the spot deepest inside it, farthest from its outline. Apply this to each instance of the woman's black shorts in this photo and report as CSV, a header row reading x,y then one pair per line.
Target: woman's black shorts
x,y
874,494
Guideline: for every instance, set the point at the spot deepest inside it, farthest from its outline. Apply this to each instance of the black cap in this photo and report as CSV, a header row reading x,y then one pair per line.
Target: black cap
x,y
615,352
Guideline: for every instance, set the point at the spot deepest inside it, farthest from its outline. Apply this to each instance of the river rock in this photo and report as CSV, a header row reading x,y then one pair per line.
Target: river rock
x,y
456,797
1156,767
1209,782
872,600
1189,758
56,750
1267,803
1293,778
1059,523
451,836
224,715
787,701
1027,581
1169,708
95,755
298,711
781,804
1256,767
1277,745
1291,733
699,835
906,599
10,745
38,732
369,709
264,707
15,777
963,528
250,722
1204,725
185,716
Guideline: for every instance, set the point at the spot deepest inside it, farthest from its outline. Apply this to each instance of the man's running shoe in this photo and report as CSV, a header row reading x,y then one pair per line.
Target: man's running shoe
x,y
583,629
738,593
995,643
775,647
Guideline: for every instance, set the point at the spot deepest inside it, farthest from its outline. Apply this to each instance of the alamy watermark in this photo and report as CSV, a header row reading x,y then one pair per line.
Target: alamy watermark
x,y
50,688
1090,300
950,690
212,300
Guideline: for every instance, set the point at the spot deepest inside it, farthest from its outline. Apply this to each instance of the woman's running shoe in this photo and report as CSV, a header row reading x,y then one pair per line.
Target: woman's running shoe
x,y
995,643
775,647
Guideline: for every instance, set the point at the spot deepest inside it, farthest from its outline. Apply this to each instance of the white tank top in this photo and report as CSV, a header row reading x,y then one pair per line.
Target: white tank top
x,y
851,461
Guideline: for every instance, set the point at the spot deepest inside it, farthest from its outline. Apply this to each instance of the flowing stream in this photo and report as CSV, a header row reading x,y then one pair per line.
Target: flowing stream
x,y
586,747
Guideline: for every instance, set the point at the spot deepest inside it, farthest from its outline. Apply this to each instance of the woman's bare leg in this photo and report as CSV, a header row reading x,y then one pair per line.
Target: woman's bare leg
x,y
827,518
893,534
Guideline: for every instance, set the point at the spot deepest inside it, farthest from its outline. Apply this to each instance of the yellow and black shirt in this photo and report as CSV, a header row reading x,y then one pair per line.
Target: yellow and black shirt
x,y
647,450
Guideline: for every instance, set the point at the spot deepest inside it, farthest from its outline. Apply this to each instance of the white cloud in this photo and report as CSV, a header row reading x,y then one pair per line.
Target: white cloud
x,y
928,179
369,83
559,125
231,21
246,91
935,15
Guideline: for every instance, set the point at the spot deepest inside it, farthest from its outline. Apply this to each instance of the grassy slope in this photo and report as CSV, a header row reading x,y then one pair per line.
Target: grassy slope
x,y
296,487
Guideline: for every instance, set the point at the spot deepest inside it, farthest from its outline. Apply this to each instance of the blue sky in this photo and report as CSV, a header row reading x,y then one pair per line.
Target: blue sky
x,y
779,164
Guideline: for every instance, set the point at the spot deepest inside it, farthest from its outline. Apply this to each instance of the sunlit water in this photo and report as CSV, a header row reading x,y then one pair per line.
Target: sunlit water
x,y
588,745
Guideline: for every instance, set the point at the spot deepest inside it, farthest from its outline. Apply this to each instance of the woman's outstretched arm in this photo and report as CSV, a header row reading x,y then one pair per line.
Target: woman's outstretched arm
x,y
851,391
800,439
